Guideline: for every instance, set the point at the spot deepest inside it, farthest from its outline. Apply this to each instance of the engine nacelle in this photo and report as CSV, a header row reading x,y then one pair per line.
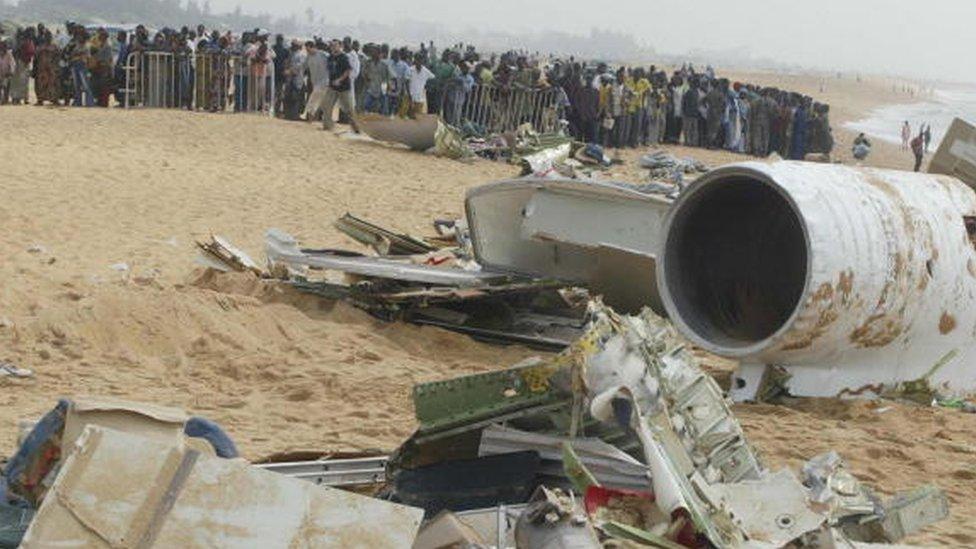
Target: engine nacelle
x,y
853,279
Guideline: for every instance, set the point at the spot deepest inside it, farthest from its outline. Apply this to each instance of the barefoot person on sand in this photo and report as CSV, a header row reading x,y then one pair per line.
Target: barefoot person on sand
x,y
906,135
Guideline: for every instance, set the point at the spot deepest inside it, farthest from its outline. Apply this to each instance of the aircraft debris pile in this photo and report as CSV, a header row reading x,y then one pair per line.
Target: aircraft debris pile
x,y
620,440
629,441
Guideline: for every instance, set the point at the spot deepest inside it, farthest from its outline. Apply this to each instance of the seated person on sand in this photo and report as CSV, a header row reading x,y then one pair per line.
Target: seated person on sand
x,y
861,147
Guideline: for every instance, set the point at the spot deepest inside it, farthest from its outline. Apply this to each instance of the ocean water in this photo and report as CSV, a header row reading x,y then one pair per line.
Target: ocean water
x,y
939,111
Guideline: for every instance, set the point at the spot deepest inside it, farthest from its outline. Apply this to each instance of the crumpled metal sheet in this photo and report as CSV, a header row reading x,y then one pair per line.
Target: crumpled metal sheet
x,y
223,256
775,509
121,490
282,248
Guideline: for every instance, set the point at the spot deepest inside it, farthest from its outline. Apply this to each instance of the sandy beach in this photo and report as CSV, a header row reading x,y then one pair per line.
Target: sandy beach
x,y
99,210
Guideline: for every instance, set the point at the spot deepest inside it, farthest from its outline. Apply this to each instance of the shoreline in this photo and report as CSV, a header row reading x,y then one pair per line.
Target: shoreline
x,y
884,122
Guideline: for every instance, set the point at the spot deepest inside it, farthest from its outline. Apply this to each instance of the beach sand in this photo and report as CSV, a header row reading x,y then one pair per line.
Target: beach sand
x,y
85,191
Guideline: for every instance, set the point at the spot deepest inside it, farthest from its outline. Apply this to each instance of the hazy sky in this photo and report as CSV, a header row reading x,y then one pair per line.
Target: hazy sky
x,y
927,38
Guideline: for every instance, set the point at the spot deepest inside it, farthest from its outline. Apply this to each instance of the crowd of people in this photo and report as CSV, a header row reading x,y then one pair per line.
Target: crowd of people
x,y
208,69
634,107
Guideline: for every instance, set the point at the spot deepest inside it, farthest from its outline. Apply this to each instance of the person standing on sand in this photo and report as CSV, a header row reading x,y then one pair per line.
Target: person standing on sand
x,y
118,69
47,84
689,114
317,65
101,67
928,137
260,57
762,112
7,64
717,102
376,77
281,56
78,60
339,89
918,148
417,78
294,88
906,135
23,52
798,142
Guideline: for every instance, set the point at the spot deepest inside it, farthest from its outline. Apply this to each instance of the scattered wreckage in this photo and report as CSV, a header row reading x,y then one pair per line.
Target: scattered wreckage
x,y
627,401
516,270
621,440
821,280
549,154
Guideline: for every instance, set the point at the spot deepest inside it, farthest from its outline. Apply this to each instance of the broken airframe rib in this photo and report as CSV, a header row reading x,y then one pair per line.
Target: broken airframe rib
x,y
283,248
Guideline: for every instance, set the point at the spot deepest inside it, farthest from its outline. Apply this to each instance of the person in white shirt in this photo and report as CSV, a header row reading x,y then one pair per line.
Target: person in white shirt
x,y
317,64
417,77
356,63
602,72
354,60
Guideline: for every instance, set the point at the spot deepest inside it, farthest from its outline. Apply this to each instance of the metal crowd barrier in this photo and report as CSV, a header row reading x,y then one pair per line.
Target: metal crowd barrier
x,y
212,85
206,81
498,109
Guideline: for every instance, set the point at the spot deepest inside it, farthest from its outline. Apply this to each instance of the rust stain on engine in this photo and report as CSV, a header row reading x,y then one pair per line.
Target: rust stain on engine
x,y
906,275
884,326
806,338
823,293
828,299
947,323
878,331
845,285
907,216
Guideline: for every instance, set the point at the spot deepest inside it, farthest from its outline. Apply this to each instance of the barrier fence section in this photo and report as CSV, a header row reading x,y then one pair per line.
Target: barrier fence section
x,y
207,81
217,82
489,108
499,109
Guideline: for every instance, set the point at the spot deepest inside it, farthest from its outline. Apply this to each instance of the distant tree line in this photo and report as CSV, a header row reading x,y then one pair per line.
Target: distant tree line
x,y
157,13
598,44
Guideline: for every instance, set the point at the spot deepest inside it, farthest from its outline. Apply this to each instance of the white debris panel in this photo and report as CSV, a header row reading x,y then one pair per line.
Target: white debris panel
x,y
121,490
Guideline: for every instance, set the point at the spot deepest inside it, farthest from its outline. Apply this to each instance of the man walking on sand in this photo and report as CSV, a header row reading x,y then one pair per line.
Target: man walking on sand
x,y
340,88
918,148
906,135
317,64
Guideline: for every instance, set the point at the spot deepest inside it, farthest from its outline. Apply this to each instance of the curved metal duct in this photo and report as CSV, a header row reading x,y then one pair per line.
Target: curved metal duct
x,y
853,279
